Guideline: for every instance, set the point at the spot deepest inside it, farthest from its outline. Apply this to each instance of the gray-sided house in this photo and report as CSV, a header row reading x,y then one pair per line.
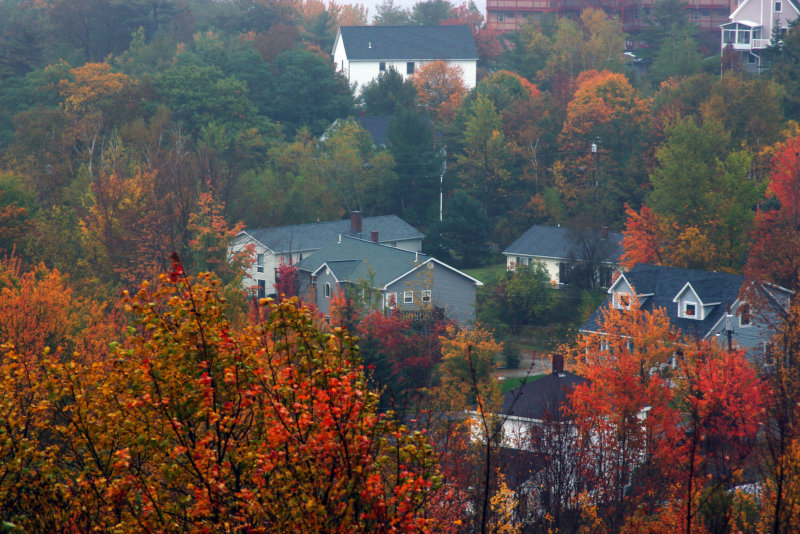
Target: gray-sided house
x,y
362,53
559,248
389,277
292,244
701,304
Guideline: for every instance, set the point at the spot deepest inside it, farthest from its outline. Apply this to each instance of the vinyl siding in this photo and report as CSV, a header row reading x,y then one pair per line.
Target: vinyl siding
x,y
449,290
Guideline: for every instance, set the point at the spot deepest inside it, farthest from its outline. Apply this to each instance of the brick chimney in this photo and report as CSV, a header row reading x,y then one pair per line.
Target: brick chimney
x,y
373,236
558,363
355,221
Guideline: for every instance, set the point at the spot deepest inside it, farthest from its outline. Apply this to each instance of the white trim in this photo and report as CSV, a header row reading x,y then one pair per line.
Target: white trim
x,y
329,270
386,286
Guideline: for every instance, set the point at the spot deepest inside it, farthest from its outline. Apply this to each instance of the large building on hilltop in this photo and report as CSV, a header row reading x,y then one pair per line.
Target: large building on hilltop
x,y
510,15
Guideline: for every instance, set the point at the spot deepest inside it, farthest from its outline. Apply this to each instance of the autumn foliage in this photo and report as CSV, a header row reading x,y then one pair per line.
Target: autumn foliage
x,y
668,425
191,424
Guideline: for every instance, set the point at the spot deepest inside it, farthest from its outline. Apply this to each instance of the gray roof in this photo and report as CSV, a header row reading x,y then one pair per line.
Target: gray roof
x,y
377,43
355,260
664,283
554,242
377,126
313,236
542,397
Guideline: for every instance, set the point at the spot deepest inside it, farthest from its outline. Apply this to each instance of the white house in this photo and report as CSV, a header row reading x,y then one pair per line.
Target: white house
x,y
558,248
751,28
291,244
362,53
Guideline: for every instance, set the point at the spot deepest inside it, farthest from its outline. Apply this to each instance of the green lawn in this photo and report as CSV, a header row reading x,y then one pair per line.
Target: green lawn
x,y
515,381
487,274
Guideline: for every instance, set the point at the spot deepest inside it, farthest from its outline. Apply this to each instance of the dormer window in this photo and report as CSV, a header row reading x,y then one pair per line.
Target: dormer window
x,y
745,318
622,301
689,310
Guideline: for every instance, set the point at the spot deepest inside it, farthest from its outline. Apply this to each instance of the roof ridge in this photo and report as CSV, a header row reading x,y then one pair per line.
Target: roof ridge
x,y
361,239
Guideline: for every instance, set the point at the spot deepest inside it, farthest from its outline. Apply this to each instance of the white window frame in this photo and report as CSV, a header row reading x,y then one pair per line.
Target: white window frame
x,y
408,297
683,311
745,316
390,300
778,7
260,263
619,300
427,296
327,290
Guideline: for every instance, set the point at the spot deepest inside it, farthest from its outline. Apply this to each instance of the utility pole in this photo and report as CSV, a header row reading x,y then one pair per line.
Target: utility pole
x,y
441,181
596,175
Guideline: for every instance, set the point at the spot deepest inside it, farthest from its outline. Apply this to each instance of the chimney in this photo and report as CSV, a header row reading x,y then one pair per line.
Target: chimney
x,y
605,232
373,236
558,363
355,221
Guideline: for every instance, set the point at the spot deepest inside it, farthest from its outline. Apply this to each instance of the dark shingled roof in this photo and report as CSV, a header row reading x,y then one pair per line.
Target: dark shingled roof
x,y
542,396
554,242
664,283
354,260
305,237
377,43
377,126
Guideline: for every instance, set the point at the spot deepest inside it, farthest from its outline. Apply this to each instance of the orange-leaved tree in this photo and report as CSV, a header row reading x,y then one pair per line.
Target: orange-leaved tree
x,y
623,411
194,424
440,88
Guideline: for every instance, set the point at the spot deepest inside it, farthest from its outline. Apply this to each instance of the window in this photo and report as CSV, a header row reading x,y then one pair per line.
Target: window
x,y
743,37
563,271
391,301
262,289
728,36
327,290
260,263
426,295
622,301
745,318
408,297
501,17
705,13
751,59
756,33
690,310
382,66
778,7
410,67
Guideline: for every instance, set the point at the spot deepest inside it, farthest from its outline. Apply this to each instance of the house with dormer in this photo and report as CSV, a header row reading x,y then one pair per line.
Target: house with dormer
x,y
362,53
752,26
701,304
272,246
386,278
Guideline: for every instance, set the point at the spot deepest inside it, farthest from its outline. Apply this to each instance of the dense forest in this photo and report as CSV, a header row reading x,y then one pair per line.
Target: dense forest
x,y
140,391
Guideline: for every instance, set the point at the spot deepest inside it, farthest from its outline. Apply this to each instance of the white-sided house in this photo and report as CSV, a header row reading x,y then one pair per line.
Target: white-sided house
x,y
751,28
362,53
292,244
556,248
701,304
